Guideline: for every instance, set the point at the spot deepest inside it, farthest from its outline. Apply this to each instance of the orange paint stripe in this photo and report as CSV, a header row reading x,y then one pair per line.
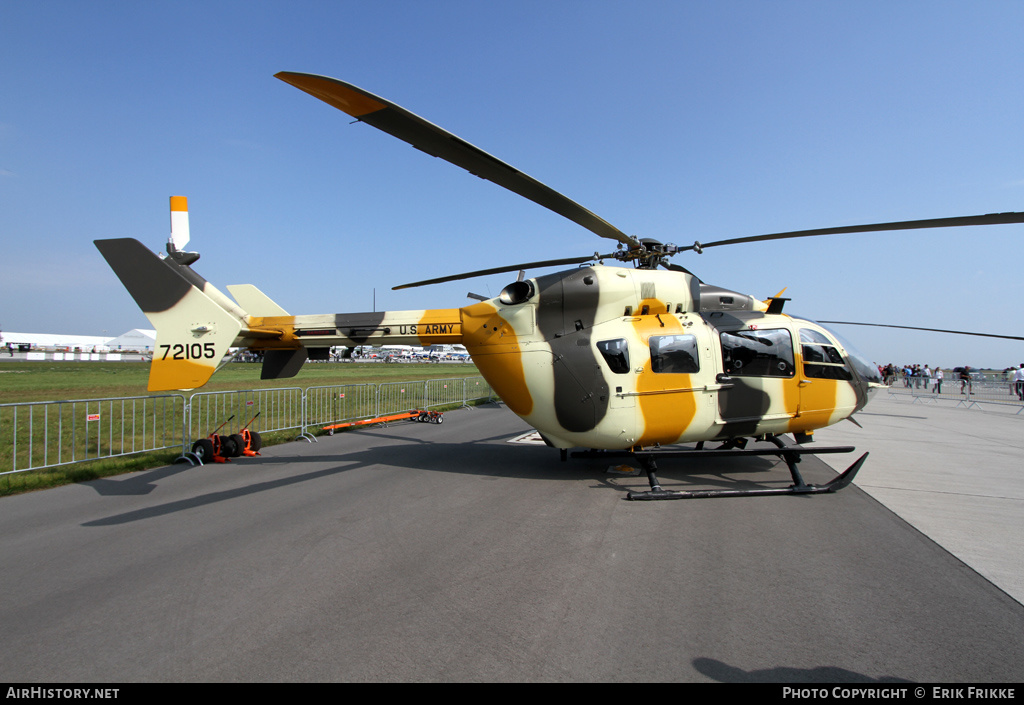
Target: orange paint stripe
x,y
166,375
653,306
179,203
495,348
440,326
816,401
665,416
334,94
286,324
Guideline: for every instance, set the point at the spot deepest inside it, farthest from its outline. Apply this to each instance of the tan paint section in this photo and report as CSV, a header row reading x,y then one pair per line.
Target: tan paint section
x,y
341,97
199,331
496,351
255,302
420,327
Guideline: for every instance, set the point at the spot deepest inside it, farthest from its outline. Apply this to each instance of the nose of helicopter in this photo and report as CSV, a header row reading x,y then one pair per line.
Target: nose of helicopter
x,y
866,379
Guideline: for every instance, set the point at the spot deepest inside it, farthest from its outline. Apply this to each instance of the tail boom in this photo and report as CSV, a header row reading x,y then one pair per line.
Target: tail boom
x,y
421,327
197,324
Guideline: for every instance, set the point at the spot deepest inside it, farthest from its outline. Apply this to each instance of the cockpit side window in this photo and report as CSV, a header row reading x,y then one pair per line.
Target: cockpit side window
x,y
674,354
821,358
616,354
758,353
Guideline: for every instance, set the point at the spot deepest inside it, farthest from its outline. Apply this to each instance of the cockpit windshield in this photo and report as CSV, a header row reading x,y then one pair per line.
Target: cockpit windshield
x,y
865,368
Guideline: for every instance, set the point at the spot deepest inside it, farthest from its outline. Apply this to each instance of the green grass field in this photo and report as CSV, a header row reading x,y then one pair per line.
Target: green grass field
x,y
28,432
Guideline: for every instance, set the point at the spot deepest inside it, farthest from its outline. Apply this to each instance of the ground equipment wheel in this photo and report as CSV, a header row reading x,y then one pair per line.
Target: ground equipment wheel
x,y
239,441
228,449
203,449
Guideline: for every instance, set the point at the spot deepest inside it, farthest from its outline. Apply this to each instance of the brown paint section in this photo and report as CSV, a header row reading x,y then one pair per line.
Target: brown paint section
x,y
334,94
495,349
156,285
665,415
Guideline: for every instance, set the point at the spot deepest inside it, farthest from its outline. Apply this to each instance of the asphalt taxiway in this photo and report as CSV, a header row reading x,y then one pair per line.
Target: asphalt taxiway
x,y
955,472
422,552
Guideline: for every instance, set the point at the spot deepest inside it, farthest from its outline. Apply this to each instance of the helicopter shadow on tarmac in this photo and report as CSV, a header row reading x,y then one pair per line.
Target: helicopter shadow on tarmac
x,y
409,447
135,483
498,456
528,463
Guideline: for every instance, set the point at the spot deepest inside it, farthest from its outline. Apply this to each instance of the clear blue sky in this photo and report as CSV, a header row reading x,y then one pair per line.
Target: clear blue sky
x,y
674,120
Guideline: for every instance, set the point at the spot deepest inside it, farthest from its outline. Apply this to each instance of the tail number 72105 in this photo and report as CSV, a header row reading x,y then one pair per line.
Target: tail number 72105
x,y
188,351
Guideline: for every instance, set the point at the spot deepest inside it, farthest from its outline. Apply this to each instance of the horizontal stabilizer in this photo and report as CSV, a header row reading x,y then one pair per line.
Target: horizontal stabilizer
x,y
254,301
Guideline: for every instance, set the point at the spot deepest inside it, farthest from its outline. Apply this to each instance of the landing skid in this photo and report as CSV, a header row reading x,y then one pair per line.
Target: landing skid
x,y
790,454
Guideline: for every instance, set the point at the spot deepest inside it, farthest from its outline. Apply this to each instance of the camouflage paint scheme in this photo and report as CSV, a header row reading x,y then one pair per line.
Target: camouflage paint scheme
x,y
570,353
538,349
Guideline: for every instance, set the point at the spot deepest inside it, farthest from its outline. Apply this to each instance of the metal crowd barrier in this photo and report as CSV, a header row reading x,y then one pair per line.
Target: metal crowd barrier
x,y
267,410
339,403
37,435
970,394
476,388
396,397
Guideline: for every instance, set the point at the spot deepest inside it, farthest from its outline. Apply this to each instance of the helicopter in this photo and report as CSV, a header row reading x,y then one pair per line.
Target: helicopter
x,y
621,361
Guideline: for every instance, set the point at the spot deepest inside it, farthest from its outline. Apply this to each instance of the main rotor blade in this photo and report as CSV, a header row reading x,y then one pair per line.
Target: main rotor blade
x,y
931,330
427,137
498,270
989,219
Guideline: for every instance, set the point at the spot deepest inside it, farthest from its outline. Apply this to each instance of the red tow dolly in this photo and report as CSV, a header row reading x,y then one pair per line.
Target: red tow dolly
x,y
221,449
251,440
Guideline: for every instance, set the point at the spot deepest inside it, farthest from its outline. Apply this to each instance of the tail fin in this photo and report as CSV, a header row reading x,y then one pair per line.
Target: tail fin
x,y
195,323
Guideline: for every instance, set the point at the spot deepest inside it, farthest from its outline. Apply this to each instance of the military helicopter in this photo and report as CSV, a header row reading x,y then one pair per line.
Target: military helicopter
x,y
618,360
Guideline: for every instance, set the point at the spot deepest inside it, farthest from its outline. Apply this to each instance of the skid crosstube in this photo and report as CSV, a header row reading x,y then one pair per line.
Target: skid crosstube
x,y
790,454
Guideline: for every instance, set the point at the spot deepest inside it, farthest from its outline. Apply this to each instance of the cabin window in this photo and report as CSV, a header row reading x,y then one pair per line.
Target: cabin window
x,y
821,358
674,354
758,353
616,354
